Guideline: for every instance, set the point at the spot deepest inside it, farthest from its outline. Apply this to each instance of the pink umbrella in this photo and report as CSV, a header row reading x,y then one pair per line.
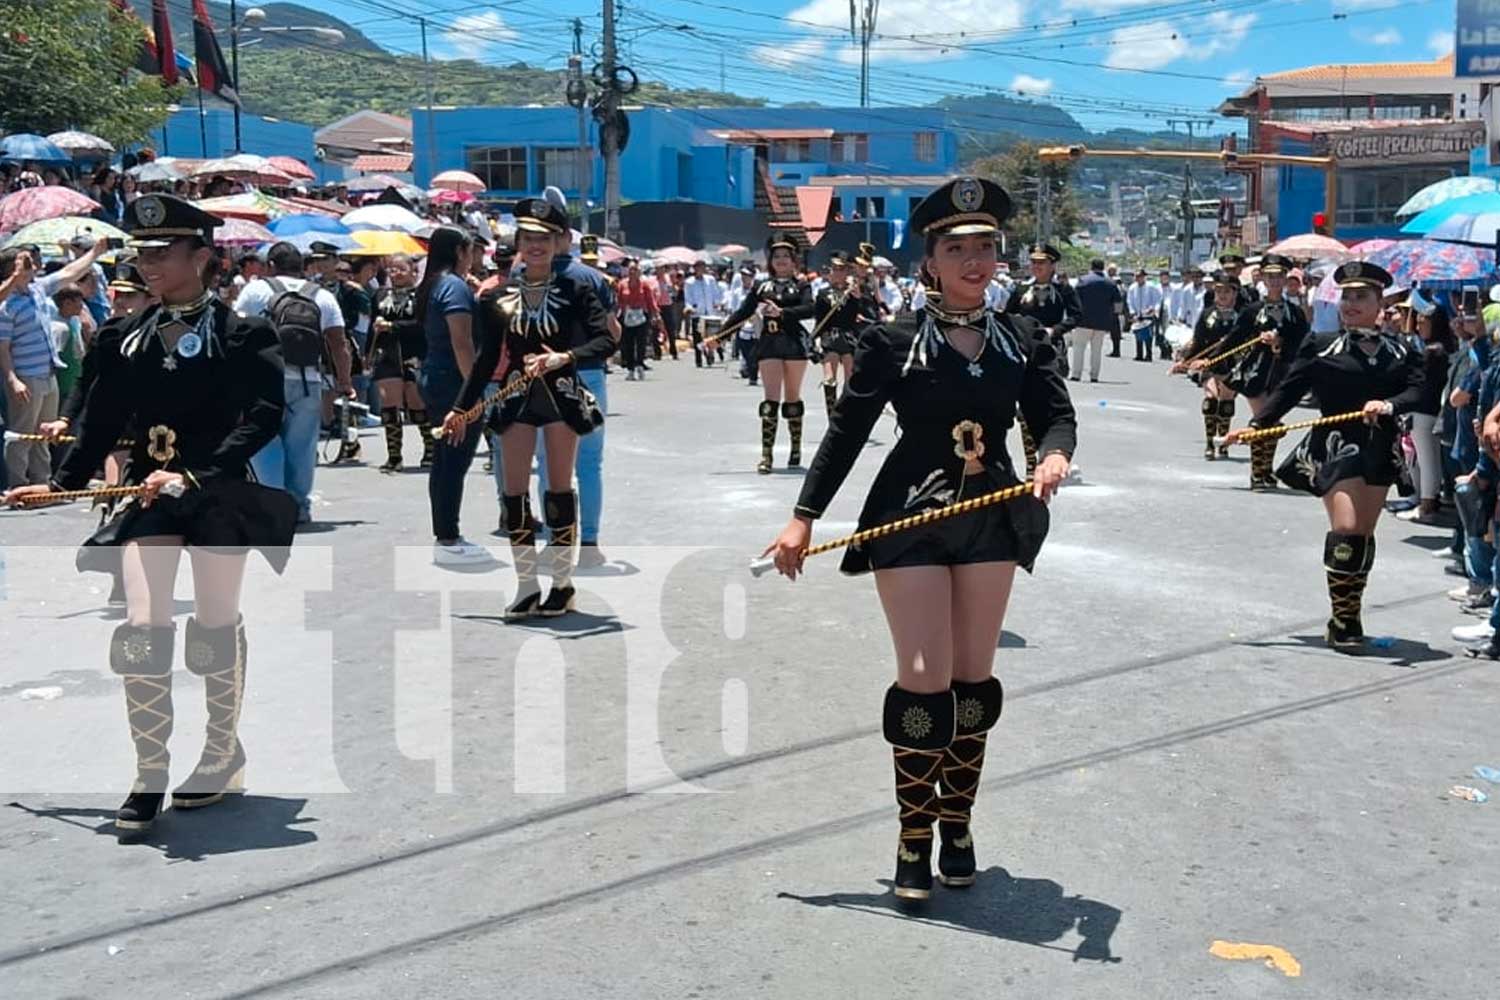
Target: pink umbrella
x,y
292,167
35,204
459,180
733,250
1311,246
447,196
676,255
1328,291
242,232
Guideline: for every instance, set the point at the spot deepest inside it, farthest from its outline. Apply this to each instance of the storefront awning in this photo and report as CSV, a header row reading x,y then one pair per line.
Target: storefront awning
x,y
769,134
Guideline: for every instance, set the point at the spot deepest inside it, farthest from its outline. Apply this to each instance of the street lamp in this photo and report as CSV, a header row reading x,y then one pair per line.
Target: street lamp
x,y
253,17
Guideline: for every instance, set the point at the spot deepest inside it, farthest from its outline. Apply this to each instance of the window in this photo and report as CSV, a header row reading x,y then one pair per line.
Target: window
x,y
502,168
851,147
870,208
791,150
1371,197
558,167
912,203
926,147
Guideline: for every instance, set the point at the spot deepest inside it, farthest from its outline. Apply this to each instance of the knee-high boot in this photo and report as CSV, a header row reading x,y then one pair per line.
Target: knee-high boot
x,y
830,394
218,656
976,710
919,728
142,656
1347,559
424,430
1226,420
561,510
520,527
768,410
793,413
1210,410
390,417
1262,465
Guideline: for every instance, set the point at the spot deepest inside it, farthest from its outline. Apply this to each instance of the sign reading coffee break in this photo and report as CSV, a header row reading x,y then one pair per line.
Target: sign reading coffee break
x,y
1437,142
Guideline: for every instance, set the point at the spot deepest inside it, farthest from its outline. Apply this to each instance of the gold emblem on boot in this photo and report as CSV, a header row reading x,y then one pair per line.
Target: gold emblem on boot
x,y
903,853
916,722
970,713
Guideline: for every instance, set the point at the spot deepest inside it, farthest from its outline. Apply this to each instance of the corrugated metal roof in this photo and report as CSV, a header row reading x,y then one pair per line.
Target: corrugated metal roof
x,y
395,163
1442,66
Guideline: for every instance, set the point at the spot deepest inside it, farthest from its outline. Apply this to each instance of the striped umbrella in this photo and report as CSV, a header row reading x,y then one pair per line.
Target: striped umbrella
x,y
34,204
51,232
241,233
1446,190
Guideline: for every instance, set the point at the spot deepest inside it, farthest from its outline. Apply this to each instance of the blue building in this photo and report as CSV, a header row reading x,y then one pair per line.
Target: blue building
x,y
181,136
856,163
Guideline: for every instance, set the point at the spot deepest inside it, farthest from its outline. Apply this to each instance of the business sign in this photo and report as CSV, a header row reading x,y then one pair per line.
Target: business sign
x,y
1476,51
1408,144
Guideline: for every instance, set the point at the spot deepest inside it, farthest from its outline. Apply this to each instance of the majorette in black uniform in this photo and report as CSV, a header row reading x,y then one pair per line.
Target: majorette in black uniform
x,y
397,353
1230,264
838,316
955,414
1053,306
1211,336
201,408
1346,370
782,338
1257,370
561,311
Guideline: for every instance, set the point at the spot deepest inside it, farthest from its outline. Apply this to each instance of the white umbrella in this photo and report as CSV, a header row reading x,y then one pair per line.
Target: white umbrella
x,y
385,217
81,145
149,173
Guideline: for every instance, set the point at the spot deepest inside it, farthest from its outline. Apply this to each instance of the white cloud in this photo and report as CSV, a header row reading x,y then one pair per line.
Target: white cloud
x,y
1238,79
472,36
1033,85
788,55
1440,43
927,18
1384,36
1158,43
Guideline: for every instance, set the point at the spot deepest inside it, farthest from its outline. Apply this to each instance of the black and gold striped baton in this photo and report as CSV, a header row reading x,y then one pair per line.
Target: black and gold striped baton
x,y
1253,342
61,439
476,411
758,567
100,493
1271,433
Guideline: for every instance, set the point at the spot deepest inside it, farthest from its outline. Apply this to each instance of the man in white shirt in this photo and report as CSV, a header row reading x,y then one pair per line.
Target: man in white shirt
x,y
1141,302
1189,298
997,292
289,460
700,297
890,292
747,334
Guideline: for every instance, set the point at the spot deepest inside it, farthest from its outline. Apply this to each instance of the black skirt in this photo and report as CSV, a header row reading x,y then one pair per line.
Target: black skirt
x,y
837,342
1256,372
1012,531
552,398
231,515
782,346
1348,451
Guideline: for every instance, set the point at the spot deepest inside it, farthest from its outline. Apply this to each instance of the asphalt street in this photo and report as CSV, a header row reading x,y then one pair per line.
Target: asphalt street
x,y
682,791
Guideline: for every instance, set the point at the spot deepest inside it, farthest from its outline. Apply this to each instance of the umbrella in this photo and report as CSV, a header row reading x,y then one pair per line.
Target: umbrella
x,y
34,204
384,217
1447,190
444,196
1311,246
1411,262
308,222
28,147
304,241
676,255
155,172
242,232
292,167
733,250
382,243
50,232
1469,205
81,145
373,183
245,166
459,180
253,205
1480,229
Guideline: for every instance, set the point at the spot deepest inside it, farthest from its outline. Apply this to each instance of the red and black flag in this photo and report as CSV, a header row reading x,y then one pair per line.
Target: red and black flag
x,y
145,59
166,52
213,72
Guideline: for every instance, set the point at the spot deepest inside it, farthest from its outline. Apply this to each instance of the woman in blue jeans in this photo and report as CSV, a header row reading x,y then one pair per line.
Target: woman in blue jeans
x,y
445,311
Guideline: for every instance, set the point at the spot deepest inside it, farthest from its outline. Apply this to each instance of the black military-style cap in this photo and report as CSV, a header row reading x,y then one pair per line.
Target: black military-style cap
x,y
1275,263
964,206
1044,251
1362,274
588,247
538,215
1231,258
317,250
1222,277
155,220
838,259
779,241
127,278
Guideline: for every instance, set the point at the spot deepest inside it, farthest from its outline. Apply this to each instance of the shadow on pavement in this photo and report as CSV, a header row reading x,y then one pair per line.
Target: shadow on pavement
x,y
1031,911
1400,652
573,625
239,823
324,527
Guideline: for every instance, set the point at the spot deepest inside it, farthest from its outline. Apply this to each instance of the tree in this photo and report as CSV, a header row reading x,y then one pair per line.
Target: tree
x,y
68,64
1017,170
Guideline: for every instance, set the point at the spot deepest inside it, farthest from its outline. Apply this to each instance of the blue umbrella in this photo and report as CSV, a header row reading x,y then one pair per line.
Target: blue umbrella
x,y
304,241
1469,205
311,222
25,146
1446,190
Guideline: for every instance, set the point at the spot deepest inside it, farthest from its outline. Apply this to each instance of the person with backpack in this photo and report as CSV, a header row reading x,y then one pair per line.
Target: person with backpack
x,y
310,325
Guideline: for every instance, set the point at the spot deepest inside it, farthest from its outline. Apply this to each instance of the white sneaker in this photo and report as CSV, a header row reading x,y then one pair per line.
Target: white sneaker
x,y
640,374
1444,554
1473,633
461,553
1467,591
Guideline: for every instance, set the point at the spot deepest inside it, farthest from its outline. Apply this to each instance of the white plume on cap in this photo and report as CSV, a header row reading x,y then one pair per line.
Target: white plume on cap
x,y
553,196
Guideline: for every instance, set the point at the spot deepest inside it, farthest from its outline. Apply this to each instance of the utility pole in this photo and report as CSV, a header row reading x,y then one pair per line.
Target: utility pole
x,y
578,97
609,136
431,130
1189,123
1189,221
862,15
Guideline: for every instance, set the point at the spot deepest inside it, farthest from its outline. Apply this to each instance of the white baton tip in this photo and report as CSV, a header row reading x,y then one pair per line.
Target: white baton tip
x,y
1219,440
759,567
174,489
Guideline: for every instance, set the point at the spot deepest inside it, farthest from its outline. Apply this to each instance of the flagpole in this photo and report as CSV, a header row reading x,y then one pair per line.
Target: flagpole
x,y
202,123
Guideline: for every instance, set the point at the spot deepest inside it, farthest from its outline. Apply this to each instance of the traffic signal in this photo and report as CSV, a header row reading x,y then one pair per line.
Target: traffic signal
x,y
1320,223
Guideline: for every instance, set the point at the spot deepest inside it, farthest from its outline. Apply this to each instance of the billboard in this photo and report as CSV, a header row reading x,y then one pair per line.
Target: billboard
x,y
1477,43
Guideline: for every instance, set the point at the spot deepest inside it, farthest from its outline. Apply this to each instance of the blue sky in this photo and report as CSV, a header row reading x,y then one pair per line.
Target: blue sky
x,y
1108,62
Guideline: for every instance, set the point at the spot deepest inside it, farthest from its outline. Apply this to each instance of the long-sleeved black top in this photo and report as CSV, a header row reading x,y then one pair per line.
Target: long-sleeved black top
x,y
1345,377
909,363
793,296
851,313
1211,334
1256,369
221,405
1053,305
572,318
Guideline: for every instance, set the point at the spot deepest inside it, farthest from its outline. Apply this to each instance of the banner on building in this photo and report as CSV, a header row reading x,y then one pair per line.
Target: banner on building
x,y
1401,144
1476,50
